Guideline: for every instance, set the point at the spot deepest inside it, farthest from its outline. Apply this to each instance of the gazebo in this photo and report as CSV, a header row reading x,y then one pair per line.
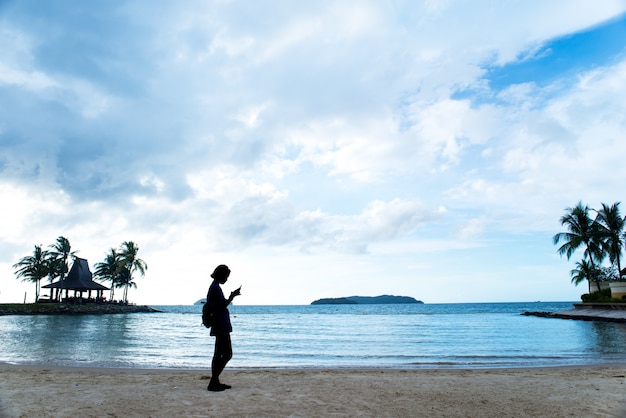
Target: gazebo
x,y
79,279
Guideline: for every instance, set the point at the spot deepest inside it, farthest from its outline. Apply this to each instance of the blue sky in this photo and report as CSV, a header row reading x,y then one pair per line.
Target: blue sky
x,y
320,149
564,57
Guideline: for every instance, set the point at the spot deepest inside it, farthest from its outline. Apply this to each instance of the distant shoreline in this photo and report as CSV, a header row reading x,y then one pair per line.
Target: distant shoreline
x,y
368,300
70,309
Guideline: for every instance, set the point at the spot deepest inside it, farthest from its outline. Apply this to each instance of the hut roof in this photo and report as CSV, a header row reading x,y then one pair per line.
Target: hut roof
x,y
79,278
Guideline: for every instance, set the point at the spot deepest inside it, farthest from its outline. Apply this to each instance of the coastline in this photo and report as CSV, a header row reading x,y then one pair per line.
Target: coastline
x,y
594,390
70,309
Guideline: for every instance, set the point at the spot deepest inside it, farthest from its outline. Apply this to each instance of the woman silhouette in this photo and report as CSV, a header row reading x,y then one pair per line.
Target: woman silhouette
x,y
221,327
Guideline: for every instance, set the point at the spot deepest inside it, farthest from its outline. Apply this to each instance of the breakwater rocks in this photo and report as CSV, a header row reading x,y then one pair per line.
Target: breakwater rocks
x,y
77,309
588,312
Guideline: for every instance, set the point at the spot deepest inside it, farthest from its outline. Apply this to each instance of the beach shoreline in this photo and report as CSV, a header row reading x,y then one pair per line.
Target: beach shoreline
x,y
72,309
59,391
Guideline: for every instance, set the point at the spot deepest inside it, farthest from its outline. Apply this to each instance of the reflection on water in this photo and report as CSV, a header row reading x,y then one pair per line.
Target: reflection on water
x,y
68,339
607,339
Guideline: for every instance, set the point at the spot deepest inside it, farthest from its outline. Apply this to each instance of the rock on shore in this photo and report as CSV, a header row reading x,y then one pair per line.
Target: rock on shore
x,y
63,309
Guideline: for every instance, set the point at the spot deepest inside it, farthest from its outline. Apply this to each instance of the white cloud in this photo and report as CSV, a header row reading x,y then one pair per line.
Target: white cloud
x,y
323,137
28,80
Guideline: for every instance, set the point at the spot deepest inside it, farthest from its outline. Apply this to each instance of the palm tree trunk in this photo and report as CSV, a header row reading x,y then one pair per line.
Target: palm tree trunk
x,y
593,266
594,272
63,277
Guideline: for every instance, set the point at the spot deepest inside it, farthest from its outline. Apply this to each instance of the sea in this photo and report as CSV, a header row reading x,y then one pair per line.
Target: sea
x,y
409,336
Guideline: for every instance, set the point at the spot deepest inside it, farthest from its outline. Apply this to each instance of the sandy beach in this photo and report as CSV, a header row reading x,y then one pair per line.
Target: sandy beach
x,y
39,391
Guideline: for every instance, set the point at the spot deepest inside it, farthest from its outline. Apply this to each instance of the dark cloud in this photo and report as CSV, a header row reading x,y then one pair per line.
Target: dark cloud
x,y
95,41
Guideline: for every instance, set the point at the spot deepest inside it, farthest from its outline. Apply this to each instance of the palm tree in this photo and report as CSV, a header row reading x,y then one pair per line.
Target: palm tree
x,y
583,271
62,251
55,269
124,279
108,269
583,231
129,261
33,268
611,228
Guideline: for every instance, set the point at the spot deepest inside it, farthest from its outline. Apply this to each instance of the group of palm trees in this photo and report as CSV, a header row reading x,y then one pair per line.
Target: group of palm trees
x,y
117,268
600,237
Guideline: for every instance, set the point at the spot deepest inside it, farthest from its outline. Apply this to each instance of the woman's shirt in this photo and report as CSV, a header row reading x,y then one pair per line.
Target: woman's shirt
x,y
218,305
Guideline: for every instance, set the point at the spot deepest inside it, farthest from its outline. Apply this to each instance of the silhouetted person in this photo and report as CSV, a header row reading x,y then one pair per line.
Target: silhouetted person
x,y
221,327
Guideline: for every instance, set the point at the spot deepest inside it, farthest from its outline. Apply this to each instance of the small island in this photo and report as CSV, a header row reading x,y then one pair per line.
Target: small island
x,y
366,300
118,268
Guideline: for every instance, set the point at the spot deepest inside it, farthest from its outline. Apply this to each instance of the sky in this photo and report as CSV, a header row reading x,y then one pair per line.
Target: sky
x,y
318,148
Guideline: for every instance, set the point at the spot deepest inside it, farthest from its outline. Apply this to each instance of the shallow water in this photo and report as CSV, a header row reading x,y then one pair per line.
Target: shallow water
x,y
407,336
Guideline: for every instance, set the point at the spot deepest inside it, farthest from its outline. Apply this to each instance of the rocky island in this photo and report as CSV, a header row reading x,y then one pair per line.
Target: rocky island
x,y
366,300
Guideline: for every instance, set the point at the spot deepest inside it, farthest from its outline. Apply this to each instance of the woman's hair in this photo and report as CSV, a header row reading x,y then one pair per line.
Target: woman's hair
x,y
222,271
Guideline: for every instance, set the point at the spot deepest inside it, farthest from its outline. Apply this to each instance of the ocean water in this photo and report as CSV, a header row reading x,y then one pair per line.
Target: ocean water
x,y
342,336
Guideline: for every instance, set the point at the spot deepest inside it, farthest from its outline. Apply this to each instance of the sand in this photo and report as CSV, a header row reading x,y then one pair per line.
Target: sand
x,y
38,391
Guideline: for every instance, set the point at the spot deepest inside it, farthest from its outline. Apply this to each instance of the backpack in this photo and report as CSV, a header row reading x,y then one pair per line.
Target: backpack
x,y
207,316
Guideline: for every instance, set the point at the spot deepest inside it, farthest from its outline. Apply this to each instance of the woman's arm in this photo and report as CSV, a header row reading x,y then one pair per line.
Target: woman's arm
x,y
233,294
217,300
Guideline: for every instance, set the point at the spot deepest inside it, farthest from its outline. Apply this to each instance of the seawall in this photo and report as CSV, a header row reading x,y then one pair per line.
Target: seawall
x,y
608,312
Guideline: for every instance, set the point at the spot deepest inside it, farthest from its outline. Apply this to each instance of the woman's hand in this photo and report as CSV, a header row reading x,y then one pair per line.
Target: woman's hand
x,y
234,293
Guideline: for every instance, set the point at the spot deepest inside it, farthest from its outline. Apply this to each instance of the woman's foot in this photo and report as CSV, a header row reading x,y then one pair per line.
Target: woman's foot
x,y
217,386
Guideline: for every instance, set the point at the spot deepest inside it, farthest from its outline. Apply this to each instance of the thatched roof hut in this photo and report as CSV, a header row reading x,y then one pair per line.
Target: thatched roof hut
x,y
78,279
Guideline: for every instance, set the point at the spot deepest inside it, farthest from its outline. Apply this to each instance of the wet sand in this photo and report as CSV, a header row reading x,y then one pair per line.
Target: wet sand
x,y
589,391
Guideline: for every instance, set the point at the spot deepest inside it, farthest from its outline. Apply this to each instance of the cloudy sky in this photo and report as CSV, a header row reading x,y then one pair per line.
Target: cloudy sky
x,y
319,148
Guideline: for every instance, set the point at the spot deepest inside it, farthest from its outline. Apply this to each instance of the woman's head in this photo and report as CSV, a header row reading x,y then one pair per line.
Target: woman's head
x,y
221,273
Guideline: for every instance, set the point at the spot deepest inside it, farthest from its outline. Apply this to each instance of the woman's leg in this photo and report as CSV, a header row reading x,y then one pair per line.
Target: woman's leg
x,y
222,354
